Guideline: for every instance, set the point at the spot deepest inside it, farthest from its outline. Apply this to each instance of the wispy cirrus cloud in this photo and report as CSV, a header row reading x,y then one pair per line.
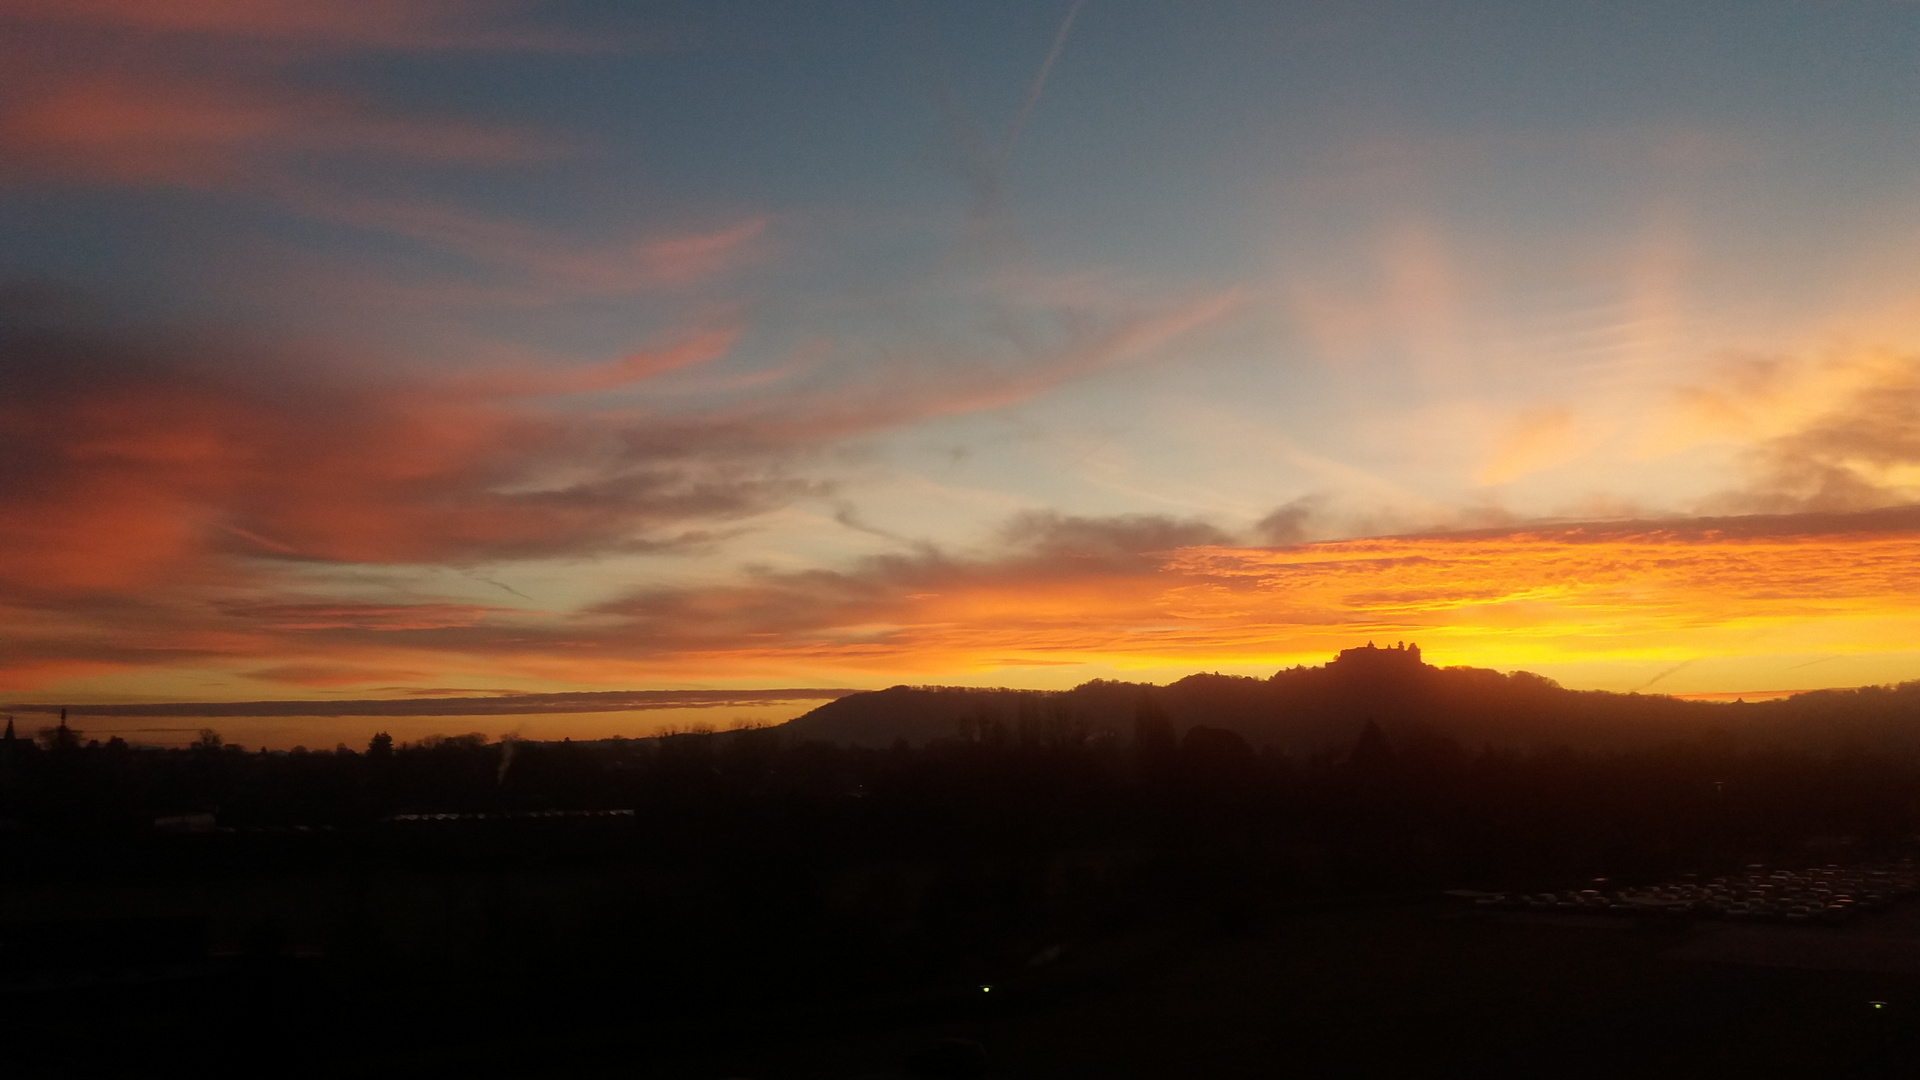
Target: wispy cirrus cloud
x,y
931,381
556,264
155,475
487,25
225,130
1538,439
528,380
216,98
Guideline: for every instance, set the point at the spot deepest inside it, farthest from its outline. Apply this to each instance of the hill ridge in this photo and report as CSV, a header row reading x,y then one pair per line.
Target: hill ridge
x,y
1305,710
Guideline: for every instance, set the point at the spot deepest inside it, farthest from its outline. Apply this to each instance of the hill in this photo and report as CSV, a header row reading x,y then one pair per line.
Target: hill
x,y
1308,710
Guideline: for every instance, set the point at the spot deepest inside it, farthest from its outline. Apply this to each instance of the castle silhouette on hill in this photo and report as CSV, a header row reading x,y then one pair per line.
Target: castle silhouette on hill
x,y
1308,710
1398,659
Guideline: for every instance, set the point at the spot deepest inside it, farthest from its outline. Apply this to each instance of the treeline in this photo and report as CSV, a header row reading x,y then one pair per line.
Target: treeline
x,y
1387,808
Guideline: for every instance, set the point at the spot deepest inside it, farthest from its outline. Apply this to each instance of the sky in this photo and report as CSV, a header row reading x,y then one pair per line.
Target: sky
x,y
406,350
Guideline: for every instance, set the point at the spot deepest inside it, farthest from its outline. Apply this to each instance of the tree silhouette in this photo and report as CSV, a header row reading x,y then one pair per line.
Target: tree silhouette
x,y
1372,753
1154,742
60,737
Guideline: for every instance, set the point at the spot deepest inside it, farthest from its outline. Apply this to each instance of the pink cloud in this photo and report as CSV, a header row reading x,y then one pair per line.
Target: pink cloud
x,y
129,465
637,366
681,259
557,262
156,126
379,24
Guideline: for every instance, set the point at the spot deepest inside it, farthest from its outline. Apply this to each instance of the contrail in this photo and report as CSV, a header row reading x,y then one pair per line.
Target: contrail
x,y
978,160
1662,675
499,585
1039,82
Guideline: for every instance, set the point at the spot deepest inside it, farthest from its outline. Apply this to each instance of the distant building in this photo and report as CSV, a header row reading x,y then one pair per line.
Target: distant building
x,y
1404,656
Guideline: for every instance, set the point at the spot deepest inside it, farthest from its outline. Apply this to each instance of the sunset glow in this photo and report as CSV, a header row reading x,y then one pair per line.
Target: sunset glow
x,y
407,350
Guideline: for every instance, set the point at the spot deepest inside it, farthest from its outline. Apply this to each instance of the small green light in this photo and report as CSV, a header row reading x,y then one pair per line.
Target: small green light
x,y
1878,1004
985,989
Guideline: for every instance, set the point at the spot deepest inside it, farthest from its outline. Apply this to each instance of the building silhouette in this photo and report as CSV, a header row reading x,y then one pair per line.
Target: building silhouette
x,y
1401,657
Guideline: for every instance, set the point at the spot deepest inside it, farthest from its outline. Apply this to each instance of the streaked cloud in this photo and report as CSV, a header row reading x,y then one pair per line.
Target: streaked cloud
x,y
493,705
1538,439
487,25
169,127
137,462
555,265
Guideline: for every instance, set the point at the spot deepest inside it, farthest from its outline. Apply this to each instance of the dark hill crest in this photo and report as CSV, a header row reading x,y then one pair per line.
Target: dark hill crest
x,y
1308,710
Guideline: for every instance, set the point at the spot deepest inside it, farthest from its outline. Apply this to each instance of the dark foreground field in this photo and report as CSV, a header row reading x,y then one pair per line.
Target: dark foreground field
x,y
1421,989
710,906
1407,985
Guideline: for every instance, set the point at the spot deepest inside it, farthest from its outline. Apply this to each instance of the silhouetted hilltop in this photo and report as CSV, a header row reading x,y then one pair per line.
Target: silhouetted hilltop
x,y
1308,710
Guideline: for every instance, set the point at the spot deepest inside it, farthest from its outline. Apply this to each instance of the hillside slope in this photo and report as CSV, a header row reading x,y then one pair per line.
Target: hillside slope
x,y
1322,709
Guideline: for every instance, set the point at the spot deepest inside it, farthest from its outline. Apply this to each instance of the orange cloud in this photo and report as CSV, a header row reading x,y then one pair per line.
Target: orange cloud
x,y
1836,433
1690,588
132,465
1687,588
1539,439
1128,593
163,492
165,498
325,675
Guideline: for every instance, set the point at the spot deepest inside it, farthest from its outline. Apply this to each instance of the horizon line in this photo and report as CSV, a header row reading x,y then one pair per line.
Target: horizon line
x,y
560,702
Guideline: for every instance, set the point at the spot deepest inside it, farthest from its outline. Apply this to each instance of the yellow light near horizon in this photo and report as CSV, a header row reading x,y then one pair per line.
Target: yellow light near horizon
x,y
1527,597
1508,600
1534,598
1612,606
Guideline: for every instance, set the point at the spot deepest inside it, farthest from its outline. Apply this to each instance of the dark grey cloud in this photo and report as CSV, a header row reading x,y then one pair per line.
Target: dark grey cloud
x,y
1290,522
1126,540
1861,454
1035,551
